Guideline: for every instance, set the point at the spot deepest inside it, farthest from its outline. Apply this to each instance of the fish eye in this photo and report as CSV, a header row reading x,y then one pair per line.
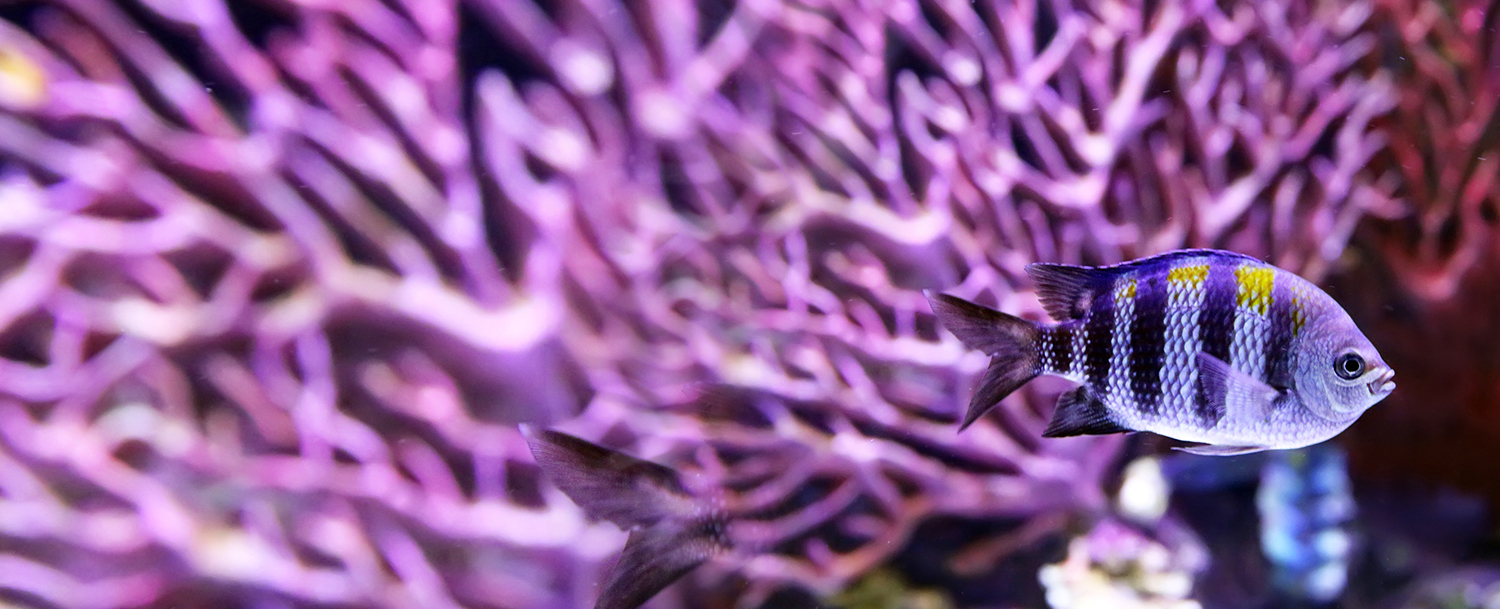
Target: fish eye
x,y
1349,366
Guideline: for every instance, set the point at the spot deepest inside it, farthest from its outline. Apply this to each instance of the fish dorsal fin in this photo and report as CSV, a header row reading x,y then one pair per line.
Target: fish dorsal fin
x,y
1065,290
1220,451
1079,413
1242,398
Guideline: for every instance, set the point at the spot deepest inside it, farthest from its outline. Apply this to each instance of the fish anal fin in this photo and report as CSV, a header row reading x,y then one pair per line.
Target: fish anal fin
x,y
1079,413
1064,290
1216,450
1246,399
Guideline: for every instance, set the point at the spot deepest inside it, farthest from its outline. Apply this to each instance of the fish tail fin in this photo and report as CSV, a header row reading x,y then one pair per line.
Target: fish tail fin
x,y
1009,340
671,530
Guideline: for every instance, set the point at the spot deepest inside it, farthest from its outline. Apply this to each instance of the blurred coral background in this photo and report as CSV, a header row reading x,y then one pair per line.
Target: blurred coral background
x,y
278,279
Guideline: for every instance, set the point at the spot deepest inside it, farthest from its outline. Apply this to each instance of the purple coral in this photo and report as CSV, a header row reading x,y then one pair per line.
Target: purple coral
x,y
1433,261
281,276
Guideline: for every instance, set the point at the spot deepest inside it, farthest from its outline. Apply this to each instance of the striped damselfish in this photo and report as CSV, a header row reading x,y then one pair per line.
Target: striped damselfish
x,y
1203,346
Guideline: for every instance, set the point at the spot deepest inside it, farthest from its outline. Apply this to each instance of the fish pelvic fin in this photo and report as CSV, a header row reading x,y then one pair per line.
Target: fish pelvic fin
x,y
1079,413
1009,340
1065,290
671,530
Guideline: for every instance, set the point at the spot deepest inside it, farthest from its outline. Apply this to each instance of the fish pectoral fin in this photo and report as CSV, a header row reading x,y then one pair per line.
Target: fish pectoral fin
x,y
1220,451
1079,413
1243,397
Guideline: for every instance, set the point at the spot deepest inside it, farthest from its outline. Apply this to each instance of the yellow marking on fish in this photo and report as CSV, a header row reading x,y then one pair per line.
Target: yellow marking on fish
x,y
1192,274
1254,290
1125,290
1299,313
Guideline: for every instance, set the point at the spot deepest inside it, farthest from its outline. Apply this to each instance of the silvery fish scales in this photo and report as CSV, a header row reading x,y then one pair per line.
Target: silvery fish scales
x,y
1199,345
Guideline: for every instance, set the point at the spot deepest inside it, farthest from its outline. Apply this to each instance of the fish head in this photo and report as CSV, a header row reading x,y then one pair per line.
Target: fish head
x,y
1339,374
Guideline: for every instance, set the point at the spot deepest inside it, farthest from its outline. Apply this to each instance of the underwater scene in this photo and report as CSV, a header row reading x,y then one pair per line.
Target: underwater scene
x,y
750,304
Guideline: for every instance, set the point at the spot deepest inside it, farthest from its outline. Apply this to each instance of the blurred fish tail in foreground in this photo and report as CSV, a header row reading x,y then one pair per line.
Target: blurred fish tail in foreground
x,y
278,280
673,529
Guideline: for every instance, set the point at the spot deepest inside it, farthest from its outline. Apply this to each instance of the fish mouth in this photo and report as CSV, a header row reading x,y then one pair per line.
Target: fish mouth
x,y
1383,384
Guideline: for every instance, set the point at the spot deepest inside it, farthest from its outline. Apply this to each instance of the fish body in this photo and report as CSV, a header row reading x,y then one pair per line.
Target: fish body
x,y
1203,346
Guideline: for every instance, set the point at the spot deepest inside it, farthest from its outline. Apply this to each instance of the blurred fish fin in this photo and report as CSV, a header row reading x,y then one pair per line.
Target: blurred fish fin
x,y
1220,451
671,532
1009,340
607,484
1245,399
1079,413
656,556
1065,290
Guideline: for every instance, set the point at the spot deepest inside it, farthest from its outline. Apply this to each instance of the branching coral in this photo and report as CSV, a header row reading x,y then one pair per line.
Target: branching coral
x,y
1445,143
279,276
256,338
1426,271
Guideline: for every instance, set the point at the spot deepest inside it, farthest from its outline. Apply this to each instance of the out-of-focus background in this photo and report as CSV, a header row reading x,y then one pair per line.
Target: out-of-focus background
x,y
278,279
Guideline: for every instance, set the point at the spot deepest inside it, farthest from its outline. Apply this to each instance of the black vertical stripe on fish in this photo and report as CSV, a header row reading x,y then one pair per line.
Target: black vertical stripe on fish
x,y
1147,338
1279,343
1098,328
1060,345
1215,333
